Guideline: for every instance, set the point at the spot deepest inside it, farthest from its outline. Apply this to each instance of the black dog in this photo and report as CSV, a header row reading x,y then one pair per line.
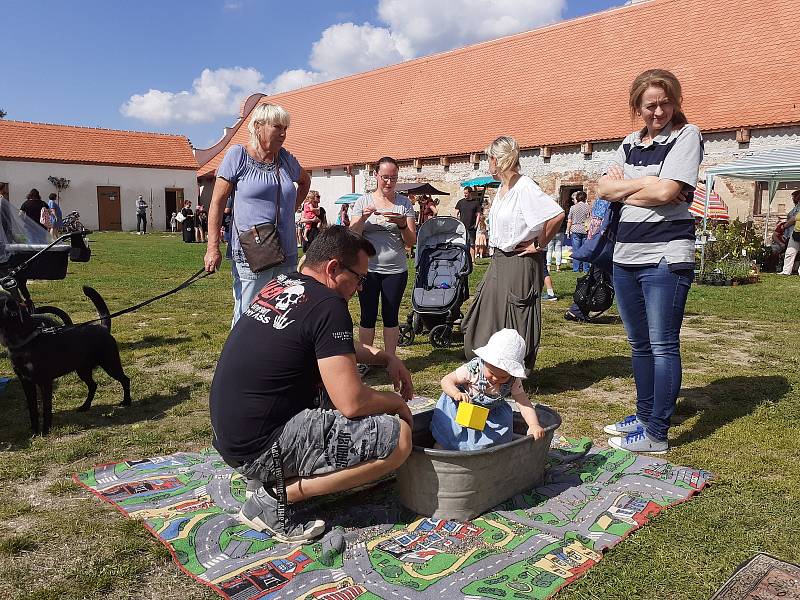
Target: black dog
x,y
40,356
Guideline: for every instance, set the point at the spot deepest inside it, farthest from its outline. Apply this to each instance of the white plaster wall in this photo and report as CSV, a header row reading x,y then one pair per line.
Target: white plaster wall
x,y
81,195
333,185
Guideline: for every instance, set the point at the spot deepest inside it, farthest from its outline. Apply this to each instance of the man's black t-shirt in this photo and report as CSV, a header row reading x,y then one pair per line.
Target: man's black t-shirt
x,y
267,372
468,211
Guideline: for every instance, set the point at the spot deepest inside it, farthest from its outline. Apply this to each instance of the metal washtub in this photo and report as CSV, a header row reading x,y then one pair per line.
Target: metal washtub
x,y
448,484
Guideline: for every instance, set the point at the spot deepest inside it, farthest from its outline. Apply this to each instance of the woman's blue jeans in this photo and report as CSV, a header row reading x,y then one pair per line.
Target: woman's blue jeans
x,y
577,241
651,302
554,250
247,284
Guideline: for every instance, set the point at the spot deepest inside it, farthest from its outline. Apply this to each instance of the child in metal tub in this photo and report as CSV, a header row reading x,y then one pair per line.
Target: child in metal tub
x,y
488,381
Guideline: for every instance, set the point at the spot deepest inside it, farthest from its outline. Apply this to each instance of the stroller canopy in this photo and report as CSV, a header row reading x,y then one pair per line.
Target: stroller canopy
x,y
17,230
440,230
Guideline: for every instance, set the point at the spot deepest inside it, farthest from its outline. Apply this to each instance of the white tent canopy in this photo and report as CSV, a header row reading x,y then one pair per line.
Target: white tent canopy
x,y
772,166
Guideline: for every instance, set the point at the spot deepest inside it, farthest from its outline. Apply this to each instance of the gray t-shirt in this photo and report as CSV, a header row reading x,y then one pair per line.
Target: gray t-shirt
x,y
647,234
390,249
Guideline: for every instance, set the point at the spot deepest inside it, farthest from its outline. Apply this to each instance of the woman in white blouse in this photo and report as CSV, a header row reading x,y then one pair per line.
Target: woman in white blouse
x,y
524,219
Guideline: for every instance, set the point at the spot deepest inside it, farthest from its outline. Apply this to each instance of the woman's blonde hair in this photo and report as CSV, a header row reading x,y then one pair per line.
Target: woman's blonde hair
x,y
666,81
505,151
266,113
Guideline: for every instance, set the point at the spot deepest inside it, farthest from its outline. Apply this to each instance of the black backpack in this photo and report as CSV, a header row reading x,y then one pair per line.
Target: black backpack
x,y
594,292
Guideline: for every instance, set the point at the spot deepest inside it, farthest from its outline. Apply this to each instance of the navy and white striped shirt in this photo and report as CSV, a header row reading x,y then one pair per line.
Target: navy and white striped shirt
x,y
646,235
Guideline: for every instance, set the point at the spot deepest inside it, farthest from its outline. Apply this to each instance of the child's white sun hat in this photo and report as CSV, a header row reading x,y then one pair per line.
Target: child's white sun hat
x,y
505,350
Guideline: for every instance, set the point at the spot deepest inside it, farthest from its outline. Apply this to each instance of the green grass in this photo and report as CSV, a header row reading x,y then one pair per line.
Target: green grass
x,y
738,416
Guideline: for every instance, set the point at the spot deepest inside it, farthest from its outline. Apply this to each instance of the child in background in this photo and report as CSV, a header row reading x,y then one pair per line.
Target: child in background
x,y
310,211
173,222
488,380
481,236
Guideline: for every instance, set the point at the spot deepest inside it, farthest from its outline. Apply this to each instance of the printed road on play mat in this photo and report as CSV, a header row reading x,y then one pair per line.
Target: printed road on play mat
x,y
528,547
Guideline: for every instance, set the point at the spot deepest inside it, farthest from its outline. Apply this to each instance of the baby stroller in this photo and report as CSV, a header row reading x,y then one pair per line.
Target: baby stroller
x,y
27,251
441,284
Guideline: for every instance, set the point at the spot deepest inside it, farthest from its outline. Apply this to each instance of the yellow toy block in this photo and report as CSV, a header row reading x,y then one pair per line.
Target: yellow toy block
x,y
471,415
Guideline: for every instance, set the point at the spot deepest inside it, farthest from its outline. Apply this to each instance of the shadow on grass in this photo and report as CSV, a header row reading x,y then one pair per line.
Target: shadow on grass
x,y
578,374
15,433
453,354
725,400
151,341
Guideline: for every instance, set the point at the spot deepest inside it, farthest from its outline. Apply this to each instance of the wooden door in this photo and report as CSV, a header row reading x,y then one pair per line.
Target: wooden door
x,y
173,202
109,208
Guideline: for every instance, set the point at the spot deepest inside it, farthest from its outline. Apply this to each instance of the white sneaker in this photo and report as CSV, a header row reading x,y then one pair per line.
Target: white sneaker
x,y
630,424
639,442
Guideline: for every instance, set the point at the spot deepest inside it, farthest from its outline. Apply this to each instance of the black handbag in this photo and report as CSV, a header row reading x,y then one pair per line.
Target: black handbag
x,y
594,292
261,243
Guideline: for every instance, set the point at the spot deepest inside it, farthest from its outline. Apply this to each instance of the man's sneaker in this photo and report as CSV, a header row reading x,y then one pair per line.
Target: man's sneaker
x,y
630,424
571,316
252,487
639,442
550,297
262,512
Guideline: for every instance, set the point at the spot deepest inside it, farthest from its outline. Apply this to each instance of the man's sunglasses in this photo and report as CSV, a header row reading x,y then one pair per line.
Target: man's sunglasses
x,y
362,279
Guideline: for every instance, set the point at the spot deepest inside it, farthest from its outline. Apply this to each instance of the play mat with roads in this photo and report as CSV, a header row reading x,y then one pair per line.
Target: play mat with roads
x,y
527,547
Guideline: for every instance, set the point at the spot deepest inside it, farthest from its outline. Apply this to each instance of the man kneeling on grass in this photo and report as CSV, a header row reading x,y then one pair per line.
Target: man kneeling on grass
x,y
266,399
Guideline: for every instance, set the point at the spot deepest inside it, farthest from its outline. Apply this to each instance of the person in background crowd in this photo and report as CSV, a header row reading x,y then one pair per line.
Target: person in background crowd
x,y
792,233
257,171
555,249
314,218
427,208
576,227
55,211
386,219
141,216
523,221
188,222
343,218
201,223
653,175
32,207
469,207
173,222
550,294
481,236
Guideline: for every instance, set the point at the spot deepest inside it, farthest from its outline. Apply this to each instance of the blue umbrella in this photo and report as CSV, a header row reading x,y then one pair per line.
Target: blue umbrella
x,y
348,199
487,180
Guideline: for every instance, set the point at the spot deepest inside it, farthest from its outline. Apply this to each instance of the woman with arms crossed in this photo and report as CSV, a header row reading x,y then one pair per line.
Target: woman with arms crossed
x,y
653,175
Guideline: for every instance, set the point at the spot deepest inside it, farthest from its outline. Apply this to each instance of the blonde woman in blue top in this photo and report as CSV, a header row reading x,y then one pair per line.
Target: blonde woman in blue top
x,y
653,175
251,174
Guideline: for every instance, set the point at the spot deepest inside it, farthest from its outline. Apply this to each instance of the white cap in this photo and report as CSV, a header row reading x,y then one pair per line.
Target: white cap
x,y
505,350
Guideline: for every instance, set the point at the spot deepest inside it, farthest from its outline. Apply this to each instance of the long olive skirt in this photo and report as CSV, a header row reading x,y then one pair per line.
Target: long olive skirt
x,y
508,297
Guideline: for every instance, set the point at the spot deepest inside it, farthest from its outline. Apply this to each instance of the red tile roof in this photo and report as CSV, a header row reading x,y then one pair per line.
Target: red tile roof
x,y
562,84
43,142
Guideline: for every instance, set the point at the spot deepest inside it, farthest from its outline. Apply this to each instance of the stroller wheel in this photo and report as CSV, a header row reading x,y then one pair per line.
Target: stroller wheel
x,y
416,322
54,313
441,335
406,335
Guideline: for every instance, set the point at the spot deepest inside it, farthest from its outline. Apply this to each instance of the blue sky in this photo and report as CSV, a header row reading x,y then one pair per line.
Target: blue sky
x,y
183,67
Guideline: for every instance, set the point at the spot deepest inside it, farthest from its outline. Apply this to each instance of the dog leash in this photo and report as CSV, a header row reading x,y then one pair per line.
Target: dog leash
x,y
196,277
